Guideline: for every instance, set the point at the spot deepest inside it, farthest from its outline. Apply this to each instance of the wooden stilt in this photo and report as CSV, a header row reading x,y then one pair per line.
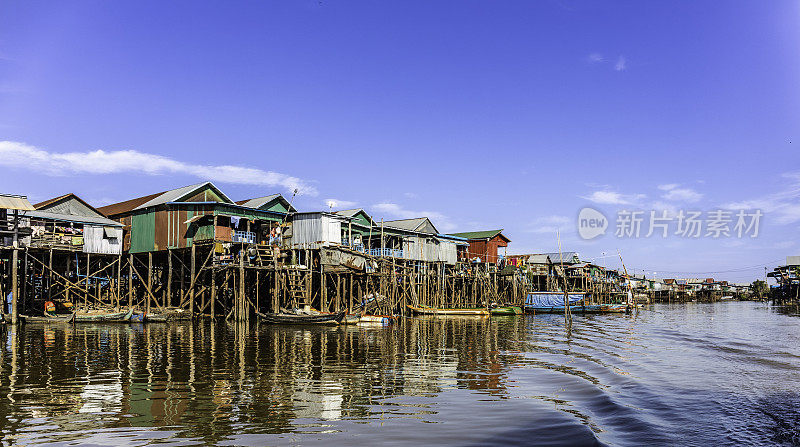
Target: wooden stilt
x,y
50,275
149,280
241,305
191,286
14,286
86,284
213,293
130,281
168,296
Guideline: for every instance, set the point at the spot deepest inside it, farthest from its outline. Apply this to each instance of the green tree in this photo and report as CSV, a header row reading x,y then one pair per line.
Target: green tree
x,y
759,288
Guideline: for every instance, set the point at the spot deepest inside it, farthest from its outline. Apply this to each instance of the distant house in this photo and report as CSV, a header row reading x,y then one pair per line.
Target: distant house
x,y
483,245
11,207
565,257
359,227
62,223
314,230
184,216
68,222
274,202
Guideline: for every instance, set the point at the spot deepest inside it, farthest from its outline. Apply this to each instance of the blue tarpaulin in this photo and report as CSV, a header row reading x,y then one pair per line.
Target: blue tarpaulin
x,y
551,299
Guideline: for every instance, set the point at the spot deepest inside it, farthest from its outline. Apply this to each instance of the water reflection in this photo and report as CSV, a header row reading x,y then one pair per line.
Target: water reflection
x,y
621,379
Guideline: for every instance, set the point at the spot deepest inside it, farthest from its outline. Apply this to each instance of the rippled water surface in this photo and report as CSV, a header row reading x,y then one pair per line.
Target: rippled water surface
x,y
684,374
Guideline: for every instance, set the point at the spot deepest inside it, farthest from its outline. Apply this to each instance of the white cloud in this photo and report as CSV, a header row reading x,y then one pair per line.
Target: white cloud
x,y
23,156
613,198
659,207
339,204
784,205
550,224
621,64
783,245
410,195
683,195
440,221
668,186
595,57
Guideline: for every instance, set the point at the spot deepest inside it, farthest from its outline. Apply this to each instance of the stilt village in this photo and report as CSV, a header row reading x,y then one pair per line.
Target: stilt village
x,y
193,252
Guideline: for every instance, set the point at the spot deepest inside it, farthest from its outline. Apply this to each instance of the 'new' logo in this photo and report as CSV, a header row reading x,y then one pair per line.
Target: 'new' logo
x,y
591,223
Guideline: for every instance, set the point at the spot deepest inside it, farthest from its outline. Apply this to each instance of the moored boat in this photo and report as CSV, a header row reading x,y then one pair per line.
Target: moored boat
x,y
289,318
580,309
506,310
67,318
166,315
104,317
553,302
424,310
351,319
376,319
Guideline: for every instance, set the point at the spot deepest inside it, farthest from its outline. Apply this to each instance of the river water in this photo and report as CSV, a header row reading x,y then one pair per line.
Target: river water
x,y
672,374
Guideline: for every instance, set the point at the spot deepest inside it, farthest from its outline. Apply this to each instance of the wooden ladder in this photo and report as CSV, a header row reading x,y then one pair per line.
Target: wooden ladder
x,y
296,287
266,255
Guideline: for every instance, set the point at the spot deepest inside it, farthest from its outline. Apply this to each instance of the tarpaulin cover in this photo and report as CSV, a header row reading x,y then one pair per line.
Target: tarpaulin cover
x,y
554,299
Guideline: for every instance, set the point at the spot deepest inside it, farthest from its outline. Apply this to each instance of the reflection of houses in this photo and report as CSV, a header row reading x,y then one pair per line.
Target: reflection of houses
x,y
483,245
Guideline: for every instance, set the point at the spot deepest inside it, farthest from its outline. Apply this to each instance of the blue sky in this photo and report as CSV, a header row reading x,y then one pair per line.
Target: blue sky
x,y
480,115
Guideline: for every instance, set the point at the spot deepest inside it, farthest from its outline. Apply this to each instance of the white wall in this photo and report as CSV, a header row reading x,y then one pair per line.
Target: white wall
x,y
315,230
102,240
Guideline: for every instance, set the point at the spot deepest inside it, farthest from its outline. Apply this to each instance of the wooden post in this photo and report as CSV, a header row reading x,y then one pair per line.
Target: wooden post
x,y
14,272
338,304
168,297
275,291
149,280
119,277
14,285
323,285
50,275
130,280
24,293
241,309
191,283
213,293
350,295
86,283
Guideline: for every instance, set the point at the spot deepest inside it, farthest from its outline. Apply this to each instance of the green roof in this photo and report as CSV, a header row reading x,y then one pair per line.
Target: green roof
x,y
478,234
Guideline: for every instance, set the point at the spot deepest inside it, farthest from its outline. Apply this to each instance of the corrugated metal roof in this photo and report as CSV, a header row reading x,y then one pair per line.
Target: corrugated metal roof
x,y
567,256
488,234
12,202
415,224
71,218
258,202
176,194
538,259
68,204
350,213
160,198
